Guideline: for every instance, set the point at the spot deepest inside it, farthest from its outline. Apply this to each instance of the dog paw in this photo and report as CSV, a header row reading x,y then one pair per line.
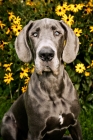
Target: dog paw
x,y
61,119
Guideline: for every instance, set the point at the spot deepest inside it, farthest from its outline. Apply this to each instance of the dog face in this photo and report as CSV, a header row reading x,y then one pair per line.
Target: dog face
x,y
45,37
47,48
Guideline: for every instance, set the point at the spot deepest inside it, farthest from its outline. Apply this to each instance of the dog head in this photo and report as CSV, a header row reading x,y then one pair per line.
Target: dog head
x,y
47,42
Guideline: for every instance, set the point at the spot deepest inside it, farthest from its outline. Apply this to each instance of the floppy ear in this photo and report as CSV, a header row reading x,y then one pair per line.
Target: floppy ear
x,y
22,48
72,44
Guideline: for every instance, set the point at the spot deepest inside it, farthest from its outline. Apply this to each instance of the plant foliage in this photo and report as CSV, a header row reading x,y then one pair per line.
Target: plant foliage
x,y
15,14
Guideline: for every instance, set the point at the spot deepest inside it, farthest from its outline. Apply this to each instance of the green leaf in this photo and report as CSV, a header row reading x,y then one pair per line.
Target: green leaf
x,y
87,59
85,108
89,97
89,49
77,86
1,91
10,45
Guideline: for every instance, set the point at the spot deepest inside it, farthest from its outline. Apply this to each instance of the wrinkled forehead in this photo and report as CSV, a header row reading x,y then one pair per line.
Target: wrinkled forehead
x,y
47,23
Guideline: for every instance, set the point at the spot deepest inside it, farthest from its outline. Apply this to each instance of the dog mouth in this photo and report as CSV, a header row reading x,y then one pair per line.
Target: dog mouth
x,y
47,69
47,66
43,69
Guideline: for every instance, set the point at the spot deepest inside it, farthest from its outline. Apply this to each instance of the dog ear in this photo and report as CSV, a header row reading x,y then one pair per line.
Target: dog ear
x,y
21,45
71,45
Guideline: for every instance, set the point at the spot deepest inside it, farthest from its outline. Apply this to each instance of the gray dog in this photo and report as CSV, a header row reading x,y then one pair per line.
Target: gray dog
x,y
50,106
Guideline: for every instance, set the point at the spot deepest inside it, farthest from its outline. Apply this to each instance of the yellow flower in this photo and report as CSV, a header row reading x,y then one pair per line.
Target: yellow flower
x,y
87,73
24,89
65,6
80,6
91,44
0,64
68,19
1,2
10,13
32,70
88,10
90,3
88,67
25,70
27,80
15,25
16,20
91,64
8,69
24,73
3,44
59,10
30,3
17,32
91,28
16,28
11,16
7,66
8,78
75,7
77,31
80,68
1,24
8,31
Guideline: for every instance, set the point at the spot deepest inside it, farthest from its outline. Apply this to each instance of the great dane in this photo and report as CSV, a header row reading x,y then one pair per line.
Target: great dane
x,y
50,105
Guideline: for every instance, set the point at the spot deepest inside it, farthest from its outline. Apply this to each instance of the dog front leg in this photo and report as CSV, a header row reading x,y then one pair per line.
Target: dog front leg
x,y
75,132
29,136
33,136
9,127
66,138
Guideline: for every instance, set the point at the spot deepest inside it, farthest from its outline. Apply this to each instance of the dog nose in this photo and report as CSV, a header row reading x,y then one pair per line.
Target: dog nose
x,y
46,54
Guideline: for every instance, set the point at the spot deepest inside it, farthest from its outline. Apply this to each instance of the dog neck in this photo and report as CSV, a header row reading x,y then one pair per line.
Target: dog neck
x,y
48,83
51,87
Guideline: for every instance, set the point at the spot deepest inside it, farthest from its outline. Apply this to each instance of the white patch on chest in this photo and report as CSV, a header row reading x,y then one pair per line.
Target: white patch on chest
x,y
61,119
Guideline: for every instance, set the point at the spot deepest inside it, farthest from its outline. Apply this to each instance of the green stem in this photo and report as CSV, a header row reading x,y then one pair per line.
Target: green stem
x,y
19,87
10,92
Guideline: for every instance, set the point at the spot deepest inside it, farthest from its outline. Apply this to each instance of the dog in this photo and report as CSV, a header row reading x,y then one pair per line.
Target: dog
x,y
50,105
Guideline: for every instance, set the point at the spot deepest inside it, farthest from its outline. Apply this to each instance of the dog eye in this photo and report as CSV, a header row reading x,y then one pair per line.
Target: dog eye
x,y
35,34
57,33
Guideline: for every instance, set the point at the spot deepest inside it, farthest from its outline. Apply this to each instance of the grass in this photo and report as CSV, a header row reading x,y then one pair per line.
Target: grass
x,y
86,121
86,118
